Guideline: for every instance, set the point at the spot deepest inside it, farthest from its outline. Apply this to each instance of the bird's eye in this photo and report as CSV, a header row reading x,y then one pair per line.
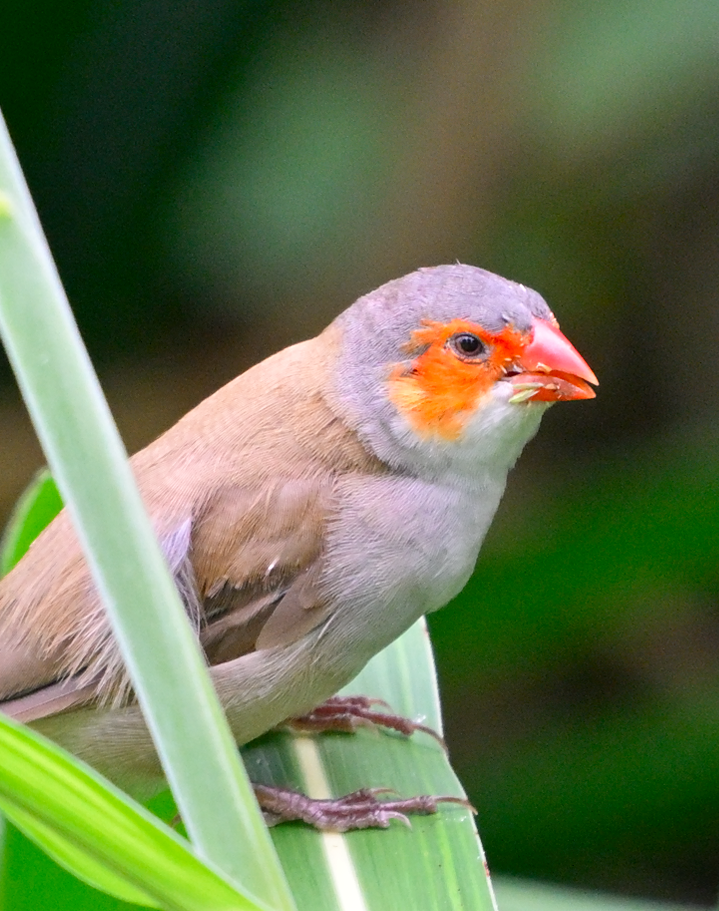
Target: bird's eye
x,y
467,345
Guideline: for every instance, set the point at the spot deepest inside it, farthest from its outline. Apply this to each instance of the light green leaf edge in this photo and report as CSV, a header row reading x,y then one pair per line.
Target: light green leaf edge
x,y
90,466
96,832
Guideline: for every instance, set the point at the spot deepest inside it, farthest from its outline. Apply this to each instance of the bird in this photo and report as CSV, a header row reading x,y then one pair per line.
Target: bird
x,y
310,511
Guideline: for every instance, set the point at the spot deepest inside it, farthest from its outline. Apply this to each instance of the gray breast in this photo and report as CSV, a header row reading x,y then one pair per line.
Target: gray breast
x,y
398,548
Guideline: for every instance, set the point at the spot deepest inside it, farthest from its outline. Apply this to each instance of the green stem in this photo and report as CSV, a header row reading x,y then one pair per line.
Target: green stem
x,y
90,466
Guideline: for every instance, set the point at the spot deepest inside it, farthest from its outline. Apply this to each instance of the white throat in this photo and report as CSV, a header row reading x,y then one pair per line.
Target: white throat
x,y
487,448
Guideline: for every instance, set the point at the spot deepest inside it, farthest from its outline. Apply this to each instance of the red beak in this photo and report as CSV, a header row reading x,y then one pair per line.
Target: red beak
x,y
552,370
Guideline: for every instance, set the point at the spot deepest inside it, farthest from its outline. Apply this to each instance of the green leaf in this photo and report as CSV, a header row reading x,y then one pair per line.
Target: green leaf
x,y
78,861
89,463
36,508
98,833
439,863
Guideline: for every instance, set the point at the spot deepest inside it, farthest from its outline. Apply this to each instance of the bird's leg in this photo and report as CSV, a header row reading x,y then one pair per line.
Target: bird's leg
x,y
359,810
346,713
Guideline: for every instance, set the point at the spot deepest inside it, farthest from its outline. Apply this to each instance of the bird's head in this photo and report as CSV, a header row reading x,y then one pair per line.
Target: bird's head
x,y
451,368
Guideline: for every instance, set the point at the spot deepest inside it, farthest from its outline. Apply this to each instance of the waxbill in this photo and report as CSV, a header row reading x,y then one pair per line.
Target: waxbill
x,y
310,511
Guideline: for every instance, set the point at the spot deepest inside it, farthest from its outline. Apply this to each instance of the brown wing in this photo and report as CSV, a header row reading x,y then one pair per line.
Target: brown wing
x,y
258,563
244,559
239,492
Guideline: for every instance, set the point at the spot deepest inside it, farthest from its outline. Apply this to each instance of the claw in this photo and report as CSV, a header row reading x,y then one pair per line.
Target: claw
x,y
359,810
345,714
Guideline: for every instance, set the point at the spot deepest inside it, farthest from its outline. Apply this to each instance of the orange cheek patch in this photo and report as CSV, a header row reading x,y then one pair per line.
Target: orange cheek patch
x,y
440,390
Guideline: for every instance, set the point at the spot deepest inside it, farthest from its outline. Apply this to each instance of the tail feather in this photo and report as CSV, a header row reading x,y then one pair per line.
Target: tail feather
x,y
50,700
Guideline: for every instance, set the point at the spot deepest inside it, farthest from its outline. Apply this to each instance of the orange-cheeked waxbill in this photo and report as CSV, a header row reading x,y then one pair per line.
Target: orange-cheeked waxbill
x,y
310,510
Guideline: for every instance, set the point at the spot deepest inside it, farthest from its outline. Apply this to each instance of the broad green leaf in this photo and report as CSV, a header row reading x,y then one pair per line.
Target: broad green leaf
x,y
98,833
35,509
439,862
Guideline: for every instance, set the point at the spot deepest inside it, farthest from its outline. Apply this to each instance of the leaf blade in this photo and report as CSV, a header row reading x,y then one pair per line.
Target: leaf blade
x,y
71,812
39,504
90,465
440,862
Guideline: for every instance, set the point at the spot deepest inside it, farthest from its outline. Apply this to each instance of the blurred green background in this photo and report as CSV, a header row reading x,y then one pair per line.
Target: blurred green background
x,y
218,179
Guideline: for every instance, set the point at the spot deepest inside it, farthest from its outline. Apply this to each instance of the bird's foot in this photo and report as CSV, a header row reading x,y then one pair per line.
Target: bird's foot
x,y
346,713
359,810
